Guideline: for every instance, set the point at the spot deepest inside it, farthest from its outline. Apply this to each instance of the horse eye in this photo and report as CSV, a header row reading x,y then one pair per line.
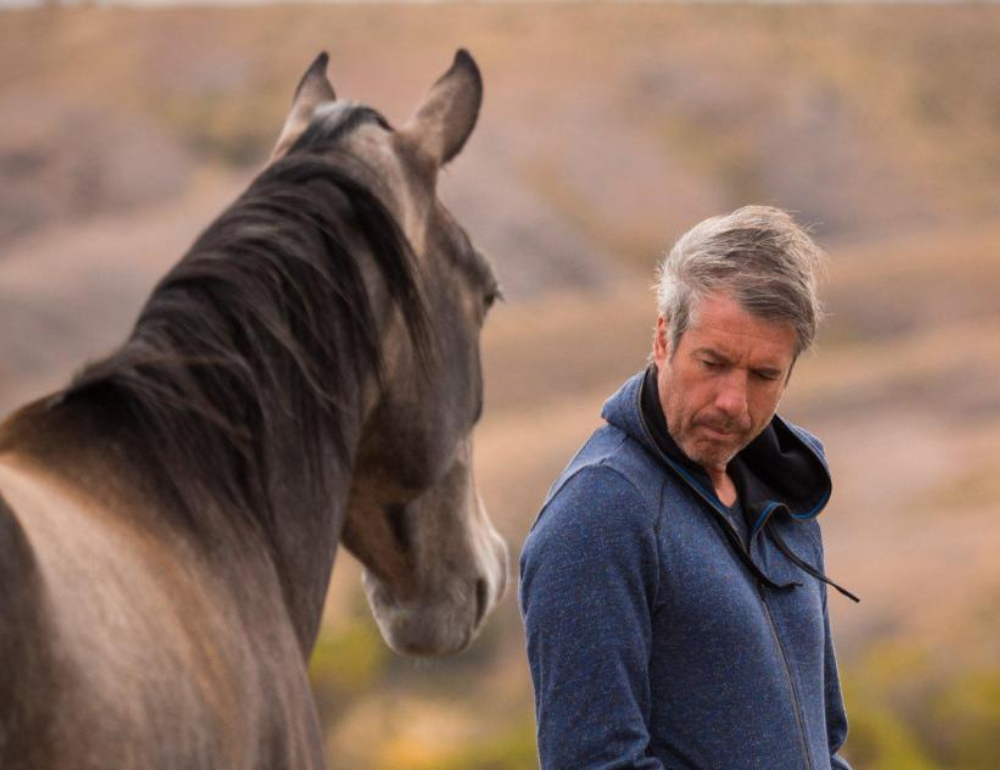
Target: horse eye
x,y
492,296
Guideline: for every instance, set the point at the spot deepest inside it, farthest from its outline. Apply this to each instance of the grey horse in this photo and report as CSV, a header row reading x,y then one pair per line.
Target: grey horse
x,y
307,374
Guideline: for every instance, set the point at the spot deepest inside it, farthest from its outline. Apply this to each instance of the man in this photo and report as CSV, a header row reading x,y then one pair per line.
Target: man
x,y
672,586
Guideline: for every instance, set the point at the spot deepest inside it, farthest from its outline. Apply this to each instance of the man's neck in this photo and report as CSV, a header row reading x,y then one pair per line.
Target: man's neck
x,y
725,489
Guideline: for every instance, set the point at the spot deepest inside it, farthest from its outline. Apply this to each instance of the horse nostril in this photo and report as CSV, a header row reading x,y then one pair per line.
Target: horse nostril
x,y
482,596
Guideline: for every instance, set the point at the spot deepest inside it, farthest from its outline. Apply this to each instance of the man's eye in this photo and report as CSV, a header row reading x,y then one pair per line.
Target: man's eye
x,y
713,364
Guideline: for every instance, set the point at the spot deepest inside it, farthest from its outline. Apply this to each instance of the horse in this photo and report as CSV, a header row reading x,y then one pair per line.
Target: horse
x,y
308,374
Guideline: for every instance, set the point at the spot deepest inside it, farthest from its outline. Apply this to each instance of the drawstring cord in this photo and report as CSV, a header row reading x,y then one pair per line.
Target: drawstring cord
x,y
808,568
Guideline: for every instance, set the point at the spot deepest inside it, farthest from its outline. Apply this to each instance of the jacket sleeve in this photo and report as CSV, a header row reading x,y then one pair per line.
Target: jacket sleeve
x,y
836,713
588,582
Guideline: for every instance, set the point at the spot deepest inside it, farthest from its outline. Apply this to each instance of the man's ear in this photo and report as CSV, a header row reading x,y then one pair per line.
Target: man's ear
x,y
313,90
661,342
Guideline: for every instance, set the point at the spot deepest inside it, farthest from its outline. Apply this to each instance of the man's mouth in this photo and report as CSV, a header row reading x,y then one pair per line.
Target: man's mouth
x,y
719,433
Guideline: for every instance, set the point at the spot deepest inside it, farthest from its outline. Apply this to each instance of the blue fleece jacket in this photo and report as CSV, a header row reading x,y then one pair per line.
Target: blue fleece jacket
x,y
657,637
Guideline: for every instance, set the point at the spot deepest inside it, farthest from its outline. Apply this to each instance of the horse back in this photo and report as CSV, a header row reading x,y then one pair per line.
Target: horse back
x,y
119,643
26,667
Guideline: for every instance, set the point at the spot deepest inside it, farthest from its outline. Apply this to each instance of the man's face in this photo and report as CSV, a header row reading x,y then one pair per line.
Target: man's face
x,y
722,385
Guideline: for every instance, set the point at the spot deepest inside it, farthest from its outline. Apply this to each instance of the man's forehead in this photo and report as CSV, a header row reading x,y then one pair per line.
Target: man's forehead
x,y
722,309
723,327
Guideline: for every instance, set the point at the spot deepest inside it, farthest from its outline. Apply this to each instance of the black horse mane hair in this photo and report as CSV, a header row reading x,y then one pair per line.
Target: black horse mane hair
x,y
256,341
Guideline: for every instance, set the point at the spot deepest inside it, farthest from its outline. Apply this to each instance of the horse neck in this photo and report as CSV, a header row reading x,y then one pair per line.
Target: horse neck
x,y
301,514
247,377
269,511
309,499
286,554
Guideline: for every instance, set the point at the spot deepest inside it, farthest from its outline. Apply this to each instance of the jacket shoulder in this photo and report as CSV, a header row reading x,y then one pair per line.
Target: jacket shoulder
x,y
597,525
611,469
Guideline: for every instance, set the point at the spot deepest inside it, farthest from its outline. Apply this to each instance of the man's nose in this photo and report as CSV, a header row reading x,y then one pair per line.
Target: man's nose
x,y
732,396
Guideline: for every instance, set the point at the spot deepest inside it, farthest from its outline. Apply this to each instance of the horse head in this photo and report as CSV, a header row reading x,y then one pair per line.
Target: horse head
x,y
434,566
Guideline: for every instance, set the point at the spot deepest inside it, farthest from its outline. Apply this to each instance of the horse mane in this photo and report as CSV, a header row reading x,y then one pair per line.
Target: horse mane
x,y
252,347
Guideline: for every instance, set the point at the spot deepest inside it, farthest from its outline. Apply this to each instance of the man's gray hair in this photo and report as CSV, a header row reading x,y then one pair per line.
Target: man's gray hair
x,y
759,255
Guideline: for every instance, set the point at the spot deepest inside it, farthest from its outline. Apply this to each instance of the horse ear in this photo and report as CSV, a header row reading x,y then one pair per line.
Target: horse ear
x,y
313,90
443,122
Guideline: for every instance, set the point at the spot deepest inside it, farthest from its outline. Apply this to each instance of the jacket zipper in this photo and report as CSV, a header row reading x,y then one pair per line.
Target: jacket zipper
x,y
735,537
788,675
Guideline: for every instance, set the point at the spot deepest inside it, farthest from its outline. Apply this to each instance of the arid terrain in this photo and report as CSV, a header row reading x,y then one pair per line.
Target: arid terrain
x,y
607,130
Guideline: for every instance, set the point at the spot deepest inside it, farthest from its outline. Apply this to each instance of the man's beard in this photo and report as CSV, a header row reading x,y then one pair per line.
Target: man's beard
x,y
708,451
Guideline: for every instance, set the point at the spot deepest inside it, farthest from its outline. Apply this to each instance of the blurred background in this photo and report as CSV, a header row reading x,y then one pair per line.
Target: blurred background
x,y
607,131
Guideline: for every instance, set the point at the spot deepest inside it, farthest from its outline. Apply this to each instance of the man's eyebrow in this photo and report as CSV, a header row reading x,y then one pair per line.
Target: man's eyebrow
x,y
718,357
713,353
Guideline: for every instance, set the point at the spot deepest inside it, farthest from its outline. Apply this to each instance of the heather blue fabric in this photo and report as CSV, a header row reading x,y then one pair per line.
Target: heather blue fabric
x,y
654,644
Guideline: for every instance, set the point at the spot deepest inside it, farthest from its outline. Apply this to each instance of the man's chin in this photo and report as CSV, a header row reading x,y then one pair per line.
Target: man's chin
x,y
709,454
